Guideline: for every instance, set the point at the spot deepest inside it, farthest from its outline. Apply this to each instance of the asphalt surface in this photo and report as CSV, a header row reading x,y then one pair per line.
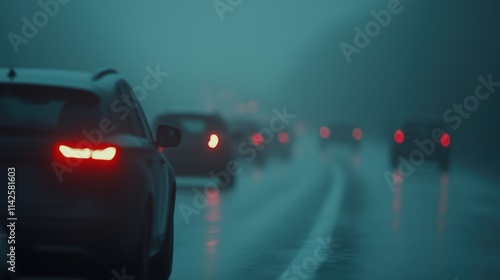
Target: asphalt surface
x,y
333,215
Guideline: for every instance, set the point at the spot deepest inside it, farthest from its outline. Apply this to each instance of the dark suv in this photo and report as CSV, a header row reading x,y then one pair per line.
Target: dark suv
x,y
419,138
93,195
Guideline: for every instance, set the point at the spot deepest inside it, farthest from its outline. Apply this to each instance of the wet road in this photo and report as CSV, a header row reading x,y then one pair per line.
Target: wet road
x,y
333,215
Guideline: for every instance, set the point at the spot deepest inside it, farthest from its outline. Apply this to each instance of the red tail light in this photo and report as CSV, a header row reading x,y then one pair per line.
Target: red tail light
x,y
213,141
357,134
257,139
97,154
283,137
445,140
399,136
104,154
324,132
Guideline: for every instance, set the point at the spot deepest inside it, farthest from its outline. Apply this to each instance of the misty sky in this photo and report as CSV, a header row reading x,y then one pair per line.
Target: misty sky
x,y
279,53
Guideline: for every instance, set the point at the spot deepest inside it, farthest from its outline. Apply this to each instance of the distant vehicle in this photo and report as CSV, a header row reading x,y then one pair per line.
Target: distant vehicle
x,y
281,146
89,180
275,138
247,141
206,146
421,138
340,133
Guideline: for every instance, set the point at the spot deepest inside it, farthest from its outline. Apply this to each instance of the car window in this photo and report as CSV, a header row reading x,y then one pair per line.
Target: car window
x,y
193,125
133,119
140,112
49,108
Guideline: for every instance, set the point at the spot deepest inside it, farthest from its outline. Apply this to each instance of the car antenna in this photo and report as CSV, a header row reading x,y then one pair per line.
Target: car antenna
x,y
12,74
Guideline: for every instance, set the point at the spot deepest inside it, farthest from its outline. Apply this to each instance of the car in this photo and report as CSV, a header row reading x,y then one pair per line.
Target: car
x,y
418,138
340,133
275,137
248,142
206,149
281,146
91,188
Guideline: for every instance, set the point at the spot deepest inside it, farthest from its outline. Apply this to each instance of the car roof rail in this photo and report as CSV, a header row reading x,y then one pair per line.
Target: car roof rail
x,y
103,72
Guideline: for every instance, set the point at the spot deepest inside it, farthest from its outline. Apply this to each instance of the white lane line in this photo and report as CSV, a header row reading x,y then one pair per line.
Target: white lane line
x,y
322,229
266,215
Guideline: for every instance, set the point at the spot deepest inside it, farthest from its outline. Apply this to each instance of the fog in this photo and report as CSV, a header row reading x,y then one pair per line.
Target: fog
x,y
283,53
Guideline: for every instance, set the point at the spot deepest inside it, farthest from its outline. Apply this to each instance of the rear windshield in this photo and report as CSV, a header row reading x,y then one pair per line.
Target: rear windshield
x,y
421,129
47,108
195,124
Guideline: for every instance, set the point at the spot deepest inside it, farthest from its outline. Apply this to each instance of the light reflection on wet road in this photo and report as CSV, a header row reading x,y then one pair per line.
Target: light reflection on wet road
x,y
279,220
432,225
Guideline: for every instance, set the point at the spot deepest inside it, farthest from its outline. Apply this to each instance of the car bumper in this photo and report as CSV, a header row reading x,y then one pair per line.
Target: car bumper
x,y
413,152
95,240
93,218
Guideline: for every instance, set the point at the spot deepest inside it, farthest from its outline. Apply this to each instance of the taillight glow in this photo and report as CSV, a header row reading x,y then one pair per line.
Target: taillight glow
x,y
98,154
399,136
257,139
213,142
75,153
283,137
105,154
445,140
324,132
357,134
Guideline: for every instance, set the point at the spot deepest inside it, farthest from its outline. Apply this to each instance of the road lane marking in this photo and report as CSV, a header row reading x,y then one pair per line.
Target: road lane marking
x,y
329,212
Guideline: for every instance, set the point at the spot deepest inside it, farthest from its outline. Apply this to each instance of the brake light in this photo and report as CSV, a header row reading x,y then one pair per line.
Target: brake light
x,y
257,139
445,140
97,154
399,136
324,132
213,141
105,154
283,137
357,134
75,153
